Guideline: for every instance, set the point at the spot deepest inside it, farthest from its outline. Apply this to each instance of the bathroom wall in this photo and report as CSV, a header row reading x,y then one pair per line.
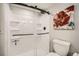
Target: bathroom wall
x,y
3,30
1,48
70,35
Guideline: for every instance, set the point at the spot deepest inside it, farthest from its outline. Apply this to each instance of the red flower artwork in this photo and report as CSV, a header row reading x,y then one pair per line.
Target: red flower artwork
x,y
63,18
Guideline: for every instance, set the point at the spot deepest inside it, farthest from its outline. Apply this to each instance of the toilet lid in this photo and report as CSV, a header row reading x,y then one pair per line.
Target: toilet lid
x,y
53,54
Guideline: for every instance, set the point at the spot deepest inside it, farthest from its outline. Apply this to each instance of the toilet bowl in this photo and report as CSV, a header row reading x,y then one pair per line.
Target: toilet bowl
x,y
60,47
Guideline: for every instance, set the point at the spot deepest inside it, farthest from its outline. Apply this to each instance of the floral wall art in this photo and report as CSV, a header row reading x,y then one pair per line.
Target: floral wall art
x,y
64,20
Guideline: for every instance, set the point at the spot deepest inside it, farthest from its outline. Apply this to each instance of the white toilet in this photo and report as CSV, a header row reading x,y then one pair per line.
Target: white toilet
x,y
61,47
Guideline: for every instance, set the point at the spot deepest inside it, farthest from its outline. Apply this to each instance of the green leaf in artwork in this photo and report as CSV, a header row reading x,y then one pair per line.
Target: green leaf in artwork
x,y
71,24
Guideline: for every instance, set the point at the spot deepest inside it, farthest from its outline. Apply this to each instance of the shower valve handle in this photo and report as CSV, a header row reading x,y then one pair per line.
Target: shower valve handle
x,y
15,41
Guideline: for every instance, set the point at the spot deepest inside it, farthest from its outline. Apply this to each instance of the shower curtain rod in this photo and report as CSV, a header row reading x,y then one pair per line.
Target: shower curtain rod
x,y
34,7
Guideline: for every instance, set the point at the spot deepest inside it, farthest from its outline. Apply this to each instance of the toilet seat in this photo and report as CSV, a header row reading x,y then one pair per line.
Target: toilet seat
x,y
53,54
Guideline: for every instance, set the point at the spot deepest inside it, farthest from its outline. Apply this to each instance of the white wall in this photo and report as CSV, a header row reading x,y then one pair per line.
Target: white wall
x,y
4,31
1,39
69,35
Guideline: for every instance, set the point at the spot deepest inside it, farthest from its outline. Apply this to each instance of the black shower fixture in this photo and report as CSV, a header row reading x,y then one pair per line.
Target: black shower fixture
x,y
34,7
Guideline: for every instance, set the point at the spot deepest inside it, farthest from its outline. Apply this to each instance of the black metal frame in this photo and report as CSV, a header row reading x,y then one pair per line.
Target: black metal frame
x,y
34,7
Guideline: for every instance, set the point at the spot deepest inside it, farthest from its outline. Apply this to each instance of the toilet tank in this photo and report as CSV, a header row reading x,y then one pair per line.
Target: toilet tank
x,y
61,47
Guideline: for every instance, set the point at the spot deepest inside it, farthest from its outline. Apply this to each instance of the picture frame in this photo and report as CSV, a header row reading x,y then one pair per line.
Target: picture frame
x,y
64,20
